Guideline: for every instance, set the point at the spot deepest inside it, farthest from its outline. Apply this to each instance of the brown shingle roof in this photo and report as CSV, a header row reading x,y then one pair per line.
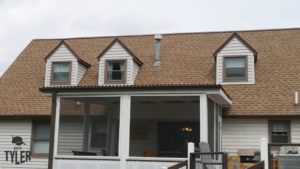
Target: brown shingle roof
x,y
185,59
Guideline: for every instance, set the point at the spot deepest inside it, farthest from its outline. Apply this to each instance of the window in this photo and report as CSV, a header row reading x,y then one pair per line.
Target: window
x,y
99,133
161,126
88,126
279,131
115,71
61,73
40,137
235,69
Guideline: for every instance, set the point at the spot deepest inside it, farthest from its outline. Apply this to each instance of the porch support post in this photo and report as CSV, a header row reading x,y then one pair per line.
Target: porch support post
x,y
52,148
191,149
125,104
203,118
264,152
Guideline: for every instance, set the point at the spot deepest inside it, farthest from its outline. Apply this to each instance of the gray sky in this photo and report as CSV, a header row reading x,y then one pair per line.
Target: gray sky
x,y
24,20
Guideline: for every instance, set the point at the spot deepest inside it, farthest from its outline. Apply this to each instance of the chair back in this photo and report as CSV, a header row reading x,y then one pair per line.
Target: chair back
x,y
206,158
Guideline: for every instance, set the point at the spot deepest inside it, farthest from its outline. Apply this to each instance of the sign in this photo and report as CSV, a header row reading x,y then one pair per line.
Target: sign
x,y
17,155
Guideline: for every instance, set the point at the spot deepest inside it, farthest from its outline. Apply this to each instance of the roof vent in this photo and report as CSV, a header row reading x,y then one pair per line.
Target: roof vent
x,y
296,101
157,38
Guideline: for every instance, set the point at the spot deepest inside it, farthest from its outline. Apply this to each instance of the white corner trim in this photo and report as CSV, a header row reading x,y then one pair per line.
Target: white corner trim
x,y
203,118
250,69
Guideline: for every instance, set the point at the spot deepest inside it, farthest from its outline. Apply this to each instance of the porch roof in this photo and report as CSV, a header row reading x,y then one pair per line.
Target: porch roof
x,y
219,94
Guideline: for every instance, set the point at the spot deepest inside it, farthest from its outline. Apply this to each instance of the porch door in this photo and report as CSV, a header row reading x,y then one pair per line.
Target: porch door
x,y
174,136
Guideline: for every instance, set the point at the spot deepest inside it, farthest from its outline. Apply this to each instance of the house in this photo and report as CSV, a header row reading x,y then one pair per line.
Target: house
x,y
135,101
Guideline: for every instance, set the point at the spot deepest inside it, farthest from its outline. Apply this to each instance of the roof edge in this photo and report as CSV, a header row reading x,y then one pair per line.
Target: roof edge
x,y
172,33
134,87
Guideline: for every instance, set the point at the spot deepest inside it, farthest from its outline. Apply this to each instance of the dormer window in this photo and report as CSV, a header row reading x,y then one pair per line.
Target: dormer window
x,y
235,62
117,65
115,71
61,74
235,68
64,67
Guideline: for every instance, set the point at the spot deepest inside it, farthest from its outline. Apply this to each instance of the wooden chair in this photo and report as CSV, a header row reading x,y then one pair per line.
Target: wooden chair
x,y
209,159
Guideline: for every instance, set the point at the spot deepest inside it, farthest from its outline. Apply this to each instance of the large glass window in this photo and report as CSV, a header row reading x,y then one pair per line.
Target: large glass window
x,y
40,137
162,126
235,68
89,126
61,73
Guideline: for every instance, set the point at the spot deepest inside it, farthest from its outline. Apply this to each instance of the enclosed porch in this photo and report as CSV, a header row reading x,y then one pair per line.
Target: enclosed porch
x,y
145,130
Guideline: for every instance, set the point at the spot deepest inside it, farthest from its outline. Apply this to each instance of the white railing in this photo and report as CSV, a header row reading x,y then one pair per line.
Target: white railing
x,y
76,162
131,163
137,164
85,164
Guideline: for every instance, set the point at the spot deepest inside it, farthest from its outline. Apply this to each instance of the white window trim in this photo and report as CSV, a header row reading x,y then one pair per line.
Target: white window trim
x,y
247,55
128,75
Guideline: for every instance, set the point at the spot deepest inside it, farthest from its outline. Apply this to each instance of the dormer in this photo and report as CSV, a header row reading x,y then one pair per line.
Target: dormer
x,y
64,67
235,62
118,65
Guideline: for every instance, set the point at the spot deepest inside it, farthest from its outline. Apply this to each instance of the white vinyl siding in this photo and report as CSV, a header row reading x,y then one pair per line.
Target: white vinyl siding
x,y
135,70
22,128
63,54
70,138
117,52
81,70
243,134
232,49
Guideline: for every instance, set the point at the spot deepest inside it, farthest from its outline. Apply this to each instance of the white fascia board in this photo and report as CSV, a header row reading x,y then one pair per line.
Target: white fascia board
x,y
225,97
217,95
141,93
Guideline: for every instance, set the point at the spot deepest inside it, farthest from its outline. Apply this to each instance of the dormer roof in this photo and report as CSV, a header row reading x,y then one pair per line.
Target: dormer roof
x,y
238,37
62,42
117,40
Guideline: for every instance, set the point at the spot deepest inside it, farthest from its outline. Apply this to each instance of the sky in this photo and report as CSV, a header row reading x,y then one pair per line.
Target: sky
x,y
24,20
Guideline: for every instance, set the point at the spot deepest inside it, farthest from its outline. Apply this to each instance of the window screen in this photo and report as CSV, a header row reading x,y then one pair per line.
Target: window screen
x,y
61,72
235,67
115,70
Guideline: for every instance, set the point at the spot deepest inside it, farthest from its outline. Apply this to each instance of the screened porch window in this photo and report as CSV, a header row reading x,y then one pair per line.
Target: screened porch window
x,y
162,126
61,73
89,126
235,68
115,71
